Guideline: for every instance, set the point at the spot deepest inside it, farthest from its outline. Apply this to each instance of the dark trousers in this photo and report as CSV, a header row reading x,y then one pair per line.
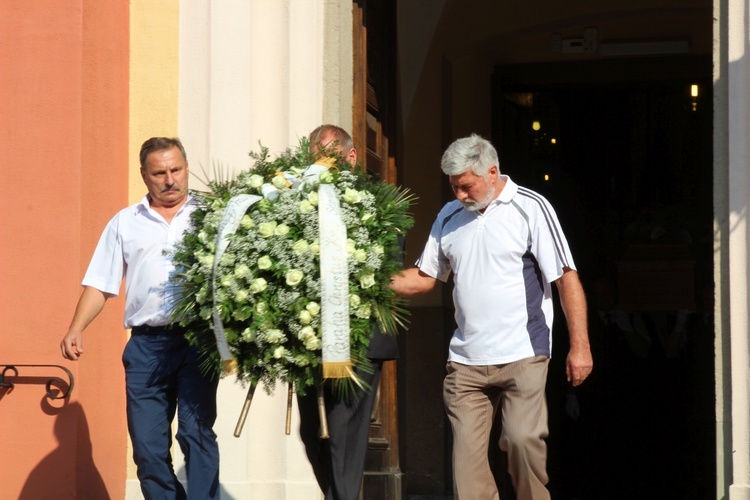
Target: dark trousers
x,y
339,461
163,376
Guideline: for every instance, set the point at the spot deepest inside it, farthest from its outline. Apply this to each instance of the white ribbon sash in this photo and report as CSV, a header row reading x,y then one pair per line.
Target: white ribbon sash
x,y
236,208
334,286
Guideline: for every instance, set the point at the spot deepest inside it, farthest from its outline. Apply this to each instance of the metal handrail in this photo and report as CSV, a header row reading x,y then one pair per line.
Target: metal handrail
x,y
5,383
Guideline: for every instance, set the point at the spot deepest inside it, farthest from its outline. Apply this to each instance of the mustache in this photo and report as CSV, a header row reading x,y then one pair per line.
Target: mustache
x,y
171,188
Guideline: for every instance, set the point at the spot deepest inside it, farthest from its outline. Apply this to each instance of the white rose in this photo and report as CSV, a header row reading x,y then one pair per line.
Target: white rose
x,y
241,296
301,361
306,332
281,230
265,262
279,352
364,311
267,229
294,276
242,271
202,295
326,177
248,335
312,197
279,181
206,259
228,259
354,301
315,246
313,307
367,279
360,255
305,317
255,181
305,206
274,335
312,343
351,196
300,246
261,307
258,285
350,246
247,222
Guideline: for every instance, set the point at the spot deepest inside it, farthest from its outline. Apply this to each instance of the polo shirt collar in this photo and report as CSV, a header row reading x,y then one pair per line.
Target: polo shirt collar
x,y
509,190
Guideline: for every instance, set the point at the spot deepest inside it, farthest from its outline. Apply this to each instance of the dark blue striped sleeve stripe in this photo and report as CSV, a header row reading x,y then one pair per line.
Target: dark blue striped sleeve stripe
x,y
554,228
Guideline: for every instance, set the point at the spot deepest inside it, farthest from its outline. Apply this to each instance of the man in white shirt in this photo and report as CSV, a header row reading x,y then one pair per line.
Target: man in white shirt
x,y
504,245
162,371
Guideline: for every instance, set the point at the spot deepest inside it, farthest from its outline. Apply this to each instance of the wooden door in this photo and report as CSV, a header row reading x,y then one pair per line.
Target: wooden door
x,y
373,131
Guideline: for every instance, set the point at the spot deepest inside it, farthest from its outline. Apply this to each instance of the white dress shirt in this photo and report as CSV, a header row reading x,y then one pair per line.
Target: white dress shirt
x,y
133,246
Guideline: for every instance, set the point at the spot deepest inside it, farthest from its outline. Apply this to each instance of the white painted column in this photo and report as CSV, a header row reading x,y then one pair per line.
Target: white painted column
x,y
738,81
255,70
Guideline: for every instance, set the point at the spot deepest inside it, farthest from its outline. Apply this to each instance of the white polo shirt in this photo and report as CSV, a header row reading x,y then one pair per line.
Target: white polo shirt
x,y
132,246
503,261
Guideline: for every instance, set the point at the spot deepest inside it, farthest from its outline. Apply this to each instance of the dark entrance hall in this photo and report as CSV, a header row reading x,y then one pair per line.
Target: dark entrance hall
x,y
623,150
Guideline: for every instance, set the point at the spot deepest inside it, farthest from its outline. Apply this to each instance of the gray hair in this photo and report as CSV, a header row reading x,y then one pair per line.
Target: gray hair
x,y
470,153
159,144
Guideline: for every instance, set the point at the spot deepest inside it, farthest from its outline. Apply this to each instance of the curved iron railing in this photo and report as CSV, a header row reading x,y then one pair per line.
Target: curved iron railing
x,y
6,382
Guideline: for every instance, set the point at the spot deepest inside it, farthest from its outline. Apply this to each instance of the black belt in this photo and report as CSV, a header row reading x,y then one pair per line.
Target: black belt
x,y
158,330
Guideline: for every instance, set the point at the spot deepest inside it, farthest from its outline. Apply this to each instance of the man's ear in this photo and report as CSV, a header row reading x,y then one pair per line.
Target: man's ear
x,y
351,156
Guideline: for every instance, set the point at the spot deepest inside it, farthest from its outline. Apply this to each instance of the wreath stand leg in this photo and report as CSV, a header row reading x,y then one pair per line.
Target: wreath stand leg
x,y
290,393
245,409
322,413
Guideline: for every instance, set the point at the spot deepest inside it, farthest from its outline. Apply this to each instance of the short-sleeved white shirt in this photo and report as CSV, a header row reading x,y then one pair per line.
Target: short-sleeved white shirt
x,y
503,261
133,247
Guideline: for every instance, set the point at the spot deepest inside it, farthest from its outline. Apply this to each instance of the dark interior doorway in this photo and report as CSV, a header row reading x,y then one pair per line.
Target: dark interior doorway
x,y
623,150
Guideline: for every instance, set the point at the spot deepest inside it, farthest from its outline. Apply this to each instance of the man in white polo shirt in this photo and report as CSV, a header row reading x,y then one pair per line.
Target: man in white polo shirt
x,y
504,245
162,371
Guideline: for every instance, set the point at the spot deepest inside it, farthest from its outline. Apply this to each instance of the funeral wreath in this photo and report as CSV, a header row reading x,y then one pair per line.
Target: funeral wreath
x,y
285,272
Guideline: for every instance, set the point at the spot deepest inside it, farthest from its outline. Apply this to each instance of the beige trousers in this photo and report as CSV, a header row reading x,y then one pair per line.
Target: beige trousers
x,y
472,396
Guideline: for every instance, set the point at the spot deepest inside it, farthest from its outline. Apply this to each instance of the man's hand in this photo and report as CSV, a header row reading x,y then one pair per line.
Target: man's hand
x,y
90,304
72,345
412,281
578,366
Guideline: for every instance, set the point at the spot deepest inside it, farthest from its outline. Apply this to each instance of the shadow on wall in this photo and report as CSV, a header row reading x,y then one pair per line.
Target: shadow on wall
x,y
71,446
